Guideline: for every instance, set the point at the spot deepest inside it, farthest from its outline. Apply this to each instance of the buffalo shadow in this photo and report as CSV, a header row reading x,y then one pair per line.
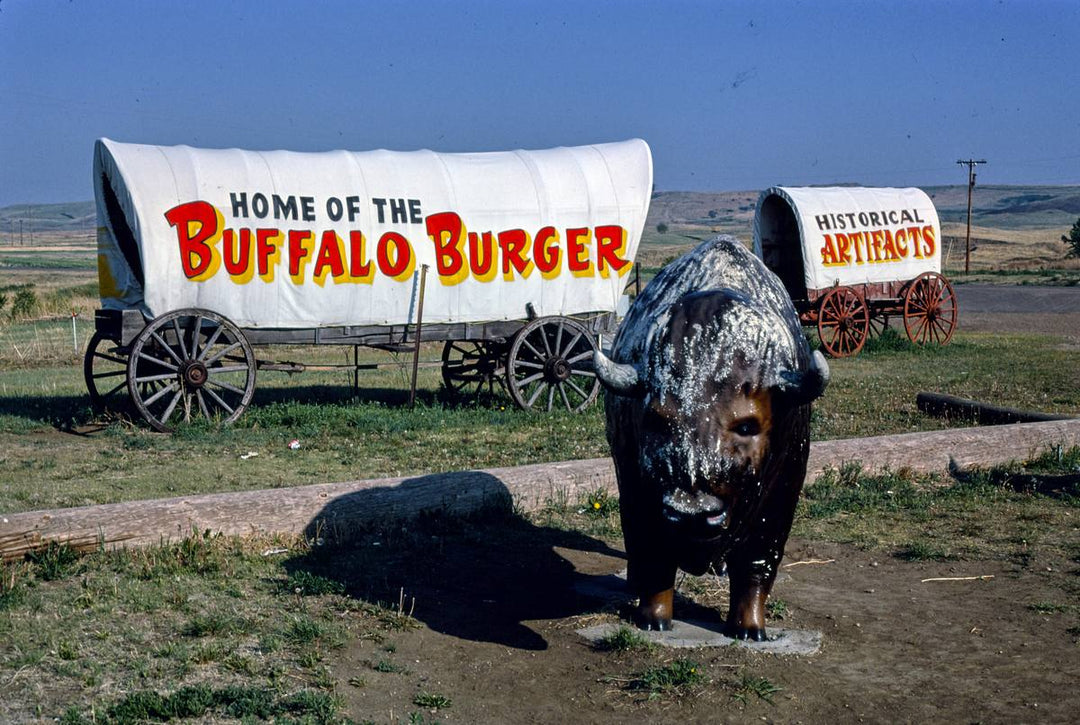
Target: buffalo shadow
x,y
474,567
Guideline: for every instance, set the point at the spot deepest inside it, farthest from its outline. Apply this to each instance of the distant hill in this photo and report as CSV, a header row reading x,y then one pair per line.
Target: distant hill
x,y
75,216
1000,206
1009,207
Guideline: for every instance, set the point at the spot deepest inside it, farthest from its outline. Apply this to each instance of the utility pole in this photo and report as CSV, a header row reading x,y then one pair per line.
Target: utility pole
x,y
971,164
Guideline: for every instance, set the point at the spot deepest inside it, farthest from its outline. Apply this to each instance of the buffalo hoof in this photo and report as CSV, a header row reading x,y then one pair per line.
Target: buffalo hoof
x,y
653,625
745,633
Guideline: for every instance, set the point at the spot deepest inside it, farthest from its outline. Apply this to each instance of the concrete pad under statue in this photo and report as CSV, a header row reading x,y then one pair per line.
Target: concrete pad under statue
x,y
692,635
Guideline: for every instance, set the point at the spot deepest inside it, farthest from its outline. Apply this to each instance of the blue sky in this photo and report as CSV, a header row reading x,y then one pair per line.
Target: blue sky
x,y
737,95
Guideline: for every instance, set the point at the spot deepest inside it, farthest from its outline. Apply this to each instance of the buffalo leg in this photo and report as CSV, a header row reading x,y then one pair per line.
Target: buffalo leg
x,y
746,612
653,581
752,568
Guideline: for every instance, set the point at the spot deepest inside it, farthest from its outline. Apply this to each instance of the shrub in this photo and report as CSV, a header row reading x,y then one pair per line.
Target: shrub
x,y
25,303
1073,240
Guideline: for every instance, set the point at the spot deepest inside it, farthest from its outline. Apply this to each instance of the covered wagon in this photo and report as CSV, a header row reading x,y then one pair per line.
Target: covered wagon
x,y
852,257
515,260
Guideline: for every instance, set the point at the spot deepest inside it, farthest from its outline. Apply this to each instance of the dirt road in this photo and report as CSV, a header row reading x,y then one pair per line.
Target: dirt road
x,y
1000,308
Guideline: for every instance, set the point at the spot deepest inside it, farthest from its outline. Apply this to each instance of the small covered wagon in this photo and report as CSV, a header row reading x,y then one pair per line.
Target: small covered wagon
x,y
516,261
852,257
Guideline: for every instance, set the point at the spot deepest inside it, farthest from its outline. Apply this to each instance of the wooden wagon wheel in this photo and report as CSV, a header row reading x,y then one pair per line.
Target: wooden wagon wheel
x,y
188,364
843,322
105,371
550,364
471,366
930,309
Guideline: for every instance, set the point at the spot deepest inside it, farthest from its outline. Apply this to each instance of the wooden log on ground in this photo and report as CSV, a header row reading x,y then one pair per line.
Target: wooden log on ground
x,y
953,408
332,509
325,510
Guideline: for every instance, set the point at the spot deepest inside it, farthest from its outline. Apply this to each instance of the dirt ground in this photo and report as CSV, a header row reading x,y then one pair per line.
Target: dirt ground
x,y
1034,309
498,638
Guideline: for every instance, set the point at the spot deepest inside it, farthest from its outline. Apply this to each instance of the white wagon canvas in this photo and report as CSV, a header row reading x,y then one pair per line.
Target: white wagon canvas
x,y
516,260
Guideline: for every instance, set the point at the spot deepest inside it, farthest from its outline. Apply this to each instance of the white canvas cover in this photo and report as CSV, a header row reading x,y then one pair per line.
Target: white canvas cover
x,y
848,235
280,239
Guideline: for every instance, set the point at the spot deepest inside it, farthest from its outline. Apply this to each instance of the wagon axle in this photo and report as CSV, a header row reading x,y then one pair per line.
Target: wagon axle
x,y
194,374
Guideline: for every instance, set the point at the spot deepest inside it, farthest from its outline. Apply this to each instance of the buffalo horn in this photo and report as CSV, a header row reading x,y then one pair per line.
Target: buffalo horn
x,y
807,386
619,378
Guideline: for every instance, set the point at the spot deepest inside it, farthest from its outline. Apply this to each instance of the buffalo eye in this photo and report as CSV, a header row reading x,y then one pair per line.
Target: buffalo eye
x,y
746,427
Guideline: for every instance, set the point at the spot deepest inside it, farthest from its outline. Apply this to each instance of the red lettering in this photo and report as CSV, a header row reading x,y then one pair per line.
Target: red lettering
x,y
929,236
843,249
857,239
237,256
890,247
197,226
901,243
299,250
610,246
329,256
447,231
359,267
876,237
915,235
514,243
828,252
394,256
267,252
482,255
546,252
577,252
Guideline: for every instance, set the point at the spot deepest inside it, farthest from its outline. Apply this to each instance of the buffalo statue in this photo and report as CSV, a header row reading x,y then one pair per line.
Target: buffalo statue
x,y
708,390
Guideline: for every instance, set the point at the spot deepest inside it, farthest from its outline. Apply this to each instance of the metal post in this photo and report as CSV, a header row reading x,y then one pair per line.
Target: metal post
x,y
418,334
356,369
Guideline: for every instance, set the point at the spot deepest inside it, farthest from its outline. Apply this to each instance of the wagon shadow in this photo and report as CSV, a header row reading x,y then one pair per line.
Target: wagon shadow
x,y
63,412
389,396
340,394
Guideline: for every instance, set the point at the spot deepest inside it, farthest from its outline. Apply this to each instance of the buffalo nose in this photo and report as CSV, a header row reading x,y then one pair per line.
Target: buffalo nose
x,y
681,506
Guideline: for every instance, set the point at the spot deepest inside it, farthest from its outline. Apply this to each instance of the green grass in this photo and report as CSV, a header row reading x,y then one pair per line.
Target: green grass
x,y
674,679
759,687
52,260
432,701
921,517
203,628
343,437
625,639
202,701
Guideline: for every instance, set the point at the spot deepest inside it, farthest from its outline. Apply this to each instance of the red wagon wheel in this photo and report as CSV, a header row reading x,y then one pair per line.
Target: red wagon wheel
x,y
843,322
930,309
